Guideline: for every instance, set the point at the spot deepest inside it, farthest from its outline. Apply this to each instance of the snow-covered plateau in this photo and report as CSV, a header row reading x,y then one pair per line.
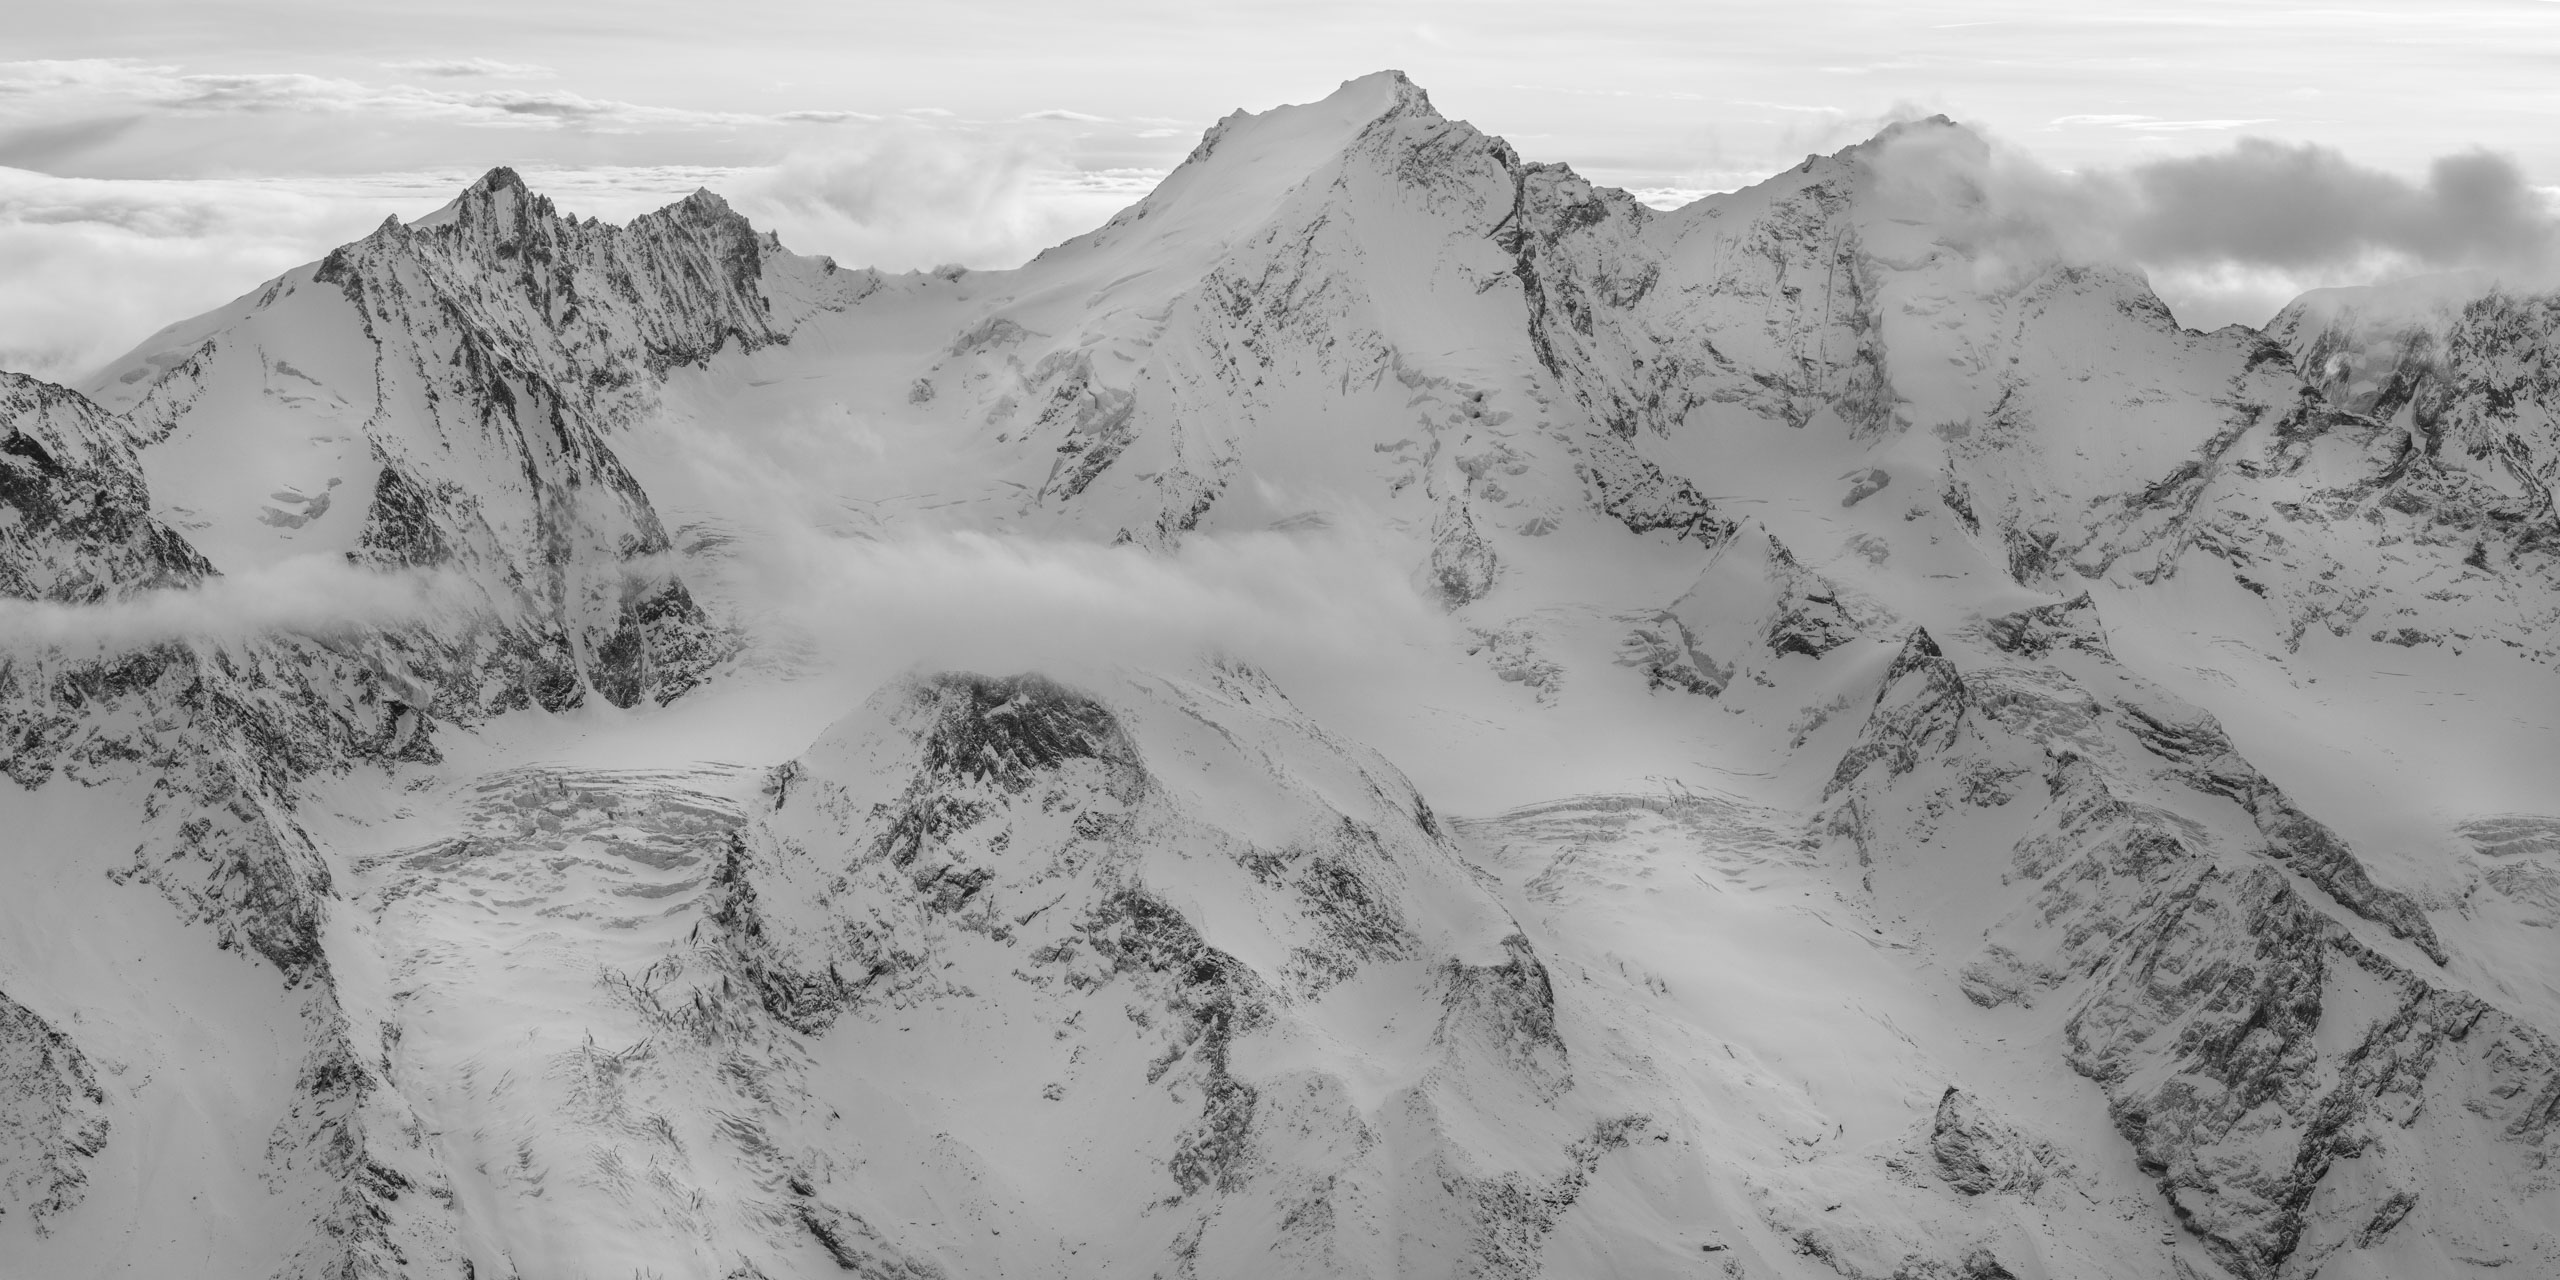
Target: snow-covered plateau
x,y
1386,712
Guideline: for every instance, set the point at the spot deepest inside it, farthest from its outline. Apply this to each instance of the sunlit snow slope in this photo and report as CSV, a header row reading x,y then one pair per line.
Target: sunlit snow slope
x,y
1386,712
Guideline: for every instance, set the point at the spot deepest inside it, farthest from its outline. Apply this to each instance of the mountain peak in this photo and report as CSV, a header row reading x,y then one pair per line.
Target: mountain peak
x,y
1396,87
500,189
1249,159
1352,106
1933,131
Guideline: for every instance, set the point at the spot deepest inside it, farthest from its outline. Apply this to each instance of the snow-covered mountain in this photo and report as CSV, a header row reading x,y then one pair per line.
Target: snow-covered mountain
x,y
1912,765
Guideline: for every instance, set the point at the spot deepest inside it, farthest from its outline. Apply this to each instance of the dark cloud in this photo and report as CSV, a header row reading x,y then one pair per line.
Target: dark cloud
x,y
2231,235
2307,206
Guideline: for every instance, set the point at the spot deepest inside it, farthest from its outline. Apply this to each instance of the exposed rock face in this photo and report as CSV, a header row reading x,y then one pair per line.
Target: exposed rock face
x,y
974,855
2229,1013
79,526
52,1116
2469,378
466,375
2384,474
472,365
1978,1154
210,739
1754,605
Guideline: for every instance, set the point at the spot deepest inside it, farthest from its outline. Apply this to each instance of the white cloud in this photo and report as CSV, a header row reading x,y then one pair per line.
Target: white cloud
x,y
319,595
975,601
824,117
463,68
2154,124
94,266
912,194
66,90
1791,106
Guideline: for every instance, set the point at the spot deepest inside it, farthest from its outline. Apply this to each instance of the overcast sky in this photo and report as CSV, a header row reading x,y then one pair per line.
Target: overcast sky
x,y
160,156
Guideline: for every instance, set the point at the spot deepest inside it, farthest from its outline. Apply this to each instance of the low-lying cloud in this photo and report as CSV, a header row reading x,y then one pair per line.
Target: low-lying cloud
x,y
991,602
319,596
1326,608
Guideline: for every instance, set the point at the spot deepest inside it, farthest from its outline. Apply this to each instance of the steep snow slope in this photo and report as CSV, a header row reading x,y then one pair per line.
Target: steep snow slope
x,y
1927,721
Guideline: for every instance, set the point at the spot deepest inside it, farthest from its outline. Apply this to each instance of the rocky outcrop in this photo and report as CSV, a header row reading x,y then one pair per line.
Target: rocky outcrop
x,y
212,735
1919,717
75,515
53,1116
1752,607
1002,852
2275,1149
555,331
504,346
1977,1154
2381,470
2269,1064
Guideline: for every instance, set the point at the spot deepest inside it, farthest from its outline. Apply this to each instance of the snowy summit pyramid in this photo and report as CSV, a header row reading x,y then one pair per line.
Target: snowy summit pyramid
x,y
1877,757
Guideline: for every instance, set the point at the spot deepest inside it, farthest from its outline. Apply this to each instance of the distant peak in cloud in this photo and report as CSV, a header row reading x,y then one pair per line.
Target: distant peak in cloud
x,y
1061,113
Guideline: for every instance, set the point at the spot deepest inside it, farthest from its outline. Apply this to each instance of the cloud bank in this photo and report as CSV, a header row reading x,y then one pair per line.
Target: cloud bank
x,y
2307,206
94,266
906,194
2230,236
